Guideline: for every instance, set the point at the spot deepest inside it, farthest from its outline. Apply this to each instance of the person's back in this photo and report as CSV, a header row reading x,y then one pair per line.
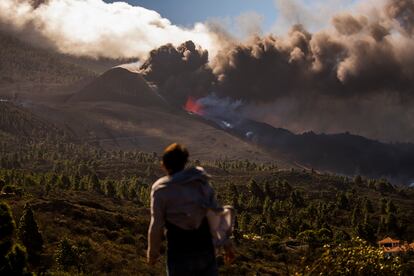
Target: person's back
x,y
179,203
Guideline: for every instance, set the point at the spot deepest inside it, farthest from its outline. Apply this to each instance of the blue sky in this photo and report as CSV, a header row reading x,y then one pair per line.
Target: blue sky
x,y
314,14
187,12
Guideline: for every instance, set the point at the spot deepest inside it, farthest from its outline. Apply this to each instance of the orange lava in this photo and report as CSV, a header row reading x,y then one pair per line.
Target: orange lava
x,y
192,106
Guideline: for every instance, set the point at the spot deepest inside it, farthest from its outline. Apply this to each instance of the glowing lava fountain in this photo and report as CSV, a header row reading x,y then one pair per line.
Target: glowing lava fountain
x,y
193,106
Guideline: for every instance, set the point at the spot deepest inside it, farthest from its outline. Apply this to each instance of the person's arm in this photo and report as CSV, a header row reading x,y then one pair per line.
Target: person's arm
x,y
156,228
229,252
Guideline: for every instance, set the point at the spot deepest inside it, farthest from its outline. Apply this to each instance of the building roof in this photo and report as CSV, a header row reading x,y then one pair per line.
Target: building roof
x,y
388,240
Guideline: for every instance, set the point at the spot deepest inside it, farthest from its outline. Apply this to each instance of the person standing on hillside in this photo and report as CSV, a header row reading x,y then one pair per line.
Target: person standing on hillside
x,y
179,204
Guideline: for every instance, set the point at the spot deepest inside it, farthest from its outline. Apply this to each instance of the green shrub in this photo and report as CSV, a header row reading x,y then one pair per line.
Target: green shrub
x,y
354,258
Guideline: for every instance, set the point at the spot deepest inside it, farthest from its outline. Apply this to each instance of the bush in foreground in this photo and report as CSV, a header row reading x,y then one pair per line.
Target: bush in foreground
x,y
354,258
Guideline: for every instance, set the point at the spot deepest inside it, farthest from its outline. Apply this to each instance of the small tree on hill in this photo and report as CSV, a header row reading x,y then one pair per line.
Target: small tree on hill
x,y
391,207
17,258
296,199
65,255
110,189
358,180
7,227
2,184
254,188
13,257
29,233
71,255
343,202
95,184
64,182
368,206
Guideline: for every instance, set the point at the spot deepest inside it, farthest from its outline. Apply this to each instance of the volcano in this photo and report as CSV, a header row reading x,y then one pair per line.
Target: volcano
x,y
122,86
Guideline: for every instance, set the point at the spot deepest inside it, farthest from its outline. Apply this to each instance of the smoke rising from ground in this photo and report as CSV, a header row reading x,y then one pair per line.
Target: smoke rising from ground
x,y
358,55
95,28
356,75
179,72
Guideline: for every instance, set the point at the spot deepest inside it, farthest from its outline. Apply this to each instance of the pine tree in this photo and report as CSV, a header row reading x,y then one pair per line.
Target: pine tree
x,y
94,184
13,257
64,182
383,207
7,227
132,194
65,255
356,216
266,205
254,189
29,233
296,199
391,223
368,206
110,189
366,231
391,207
17,262
2,184
358,180
343,202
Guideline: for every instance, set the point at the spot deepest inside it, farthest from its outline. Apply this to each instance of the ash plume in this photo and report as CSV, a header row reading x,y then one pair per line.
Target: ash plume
x,y
179,72
96,29
357,56
356,75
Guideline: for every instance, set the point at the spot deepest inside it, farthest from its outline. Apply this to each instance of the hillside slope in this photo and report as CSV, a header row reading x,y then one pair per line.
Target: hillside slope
x,y
99,200
19,126
338,153
22,62
114,125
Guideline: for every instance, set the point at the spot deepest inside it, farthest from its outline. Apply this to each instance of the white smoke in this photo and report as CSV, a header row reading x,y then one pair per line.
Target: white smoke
x,y
98,29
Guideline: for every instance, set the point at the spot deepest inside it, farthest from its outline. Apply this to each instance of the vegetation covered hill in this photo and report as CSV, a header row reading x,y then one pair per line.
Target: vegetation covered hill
x,y
19,126
340,153
21,62
92,209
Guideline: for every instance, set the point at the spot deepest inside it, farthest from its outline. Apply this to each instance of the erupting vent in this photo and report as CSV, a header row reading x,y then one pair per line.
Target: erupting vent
x,y
193,106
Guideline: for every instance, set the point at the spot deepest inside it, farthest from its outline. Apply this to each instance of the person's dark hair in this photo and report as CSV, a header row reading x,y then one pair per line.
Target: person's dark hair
x,y
175,158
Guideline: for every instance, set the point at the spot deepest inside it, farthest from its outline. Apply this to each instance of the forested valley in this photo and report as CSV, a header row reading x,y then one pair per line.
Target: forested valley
x,y
70,207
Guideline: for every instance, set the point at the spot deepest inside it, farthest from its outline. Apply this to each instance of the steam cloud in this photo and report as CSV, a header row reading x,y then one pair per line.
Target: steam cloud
x,y
95,28
357,75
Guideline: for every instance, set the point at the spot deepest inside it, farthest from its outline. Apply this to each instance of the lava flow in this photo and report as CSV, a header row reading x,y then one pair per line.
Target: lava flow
x,y
193,106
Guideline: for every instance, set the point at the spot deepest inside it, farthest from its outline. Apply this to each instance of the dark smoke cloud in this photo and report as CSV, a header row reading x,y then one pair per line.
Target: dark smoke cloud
x,y
356,76
358,57
179,72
